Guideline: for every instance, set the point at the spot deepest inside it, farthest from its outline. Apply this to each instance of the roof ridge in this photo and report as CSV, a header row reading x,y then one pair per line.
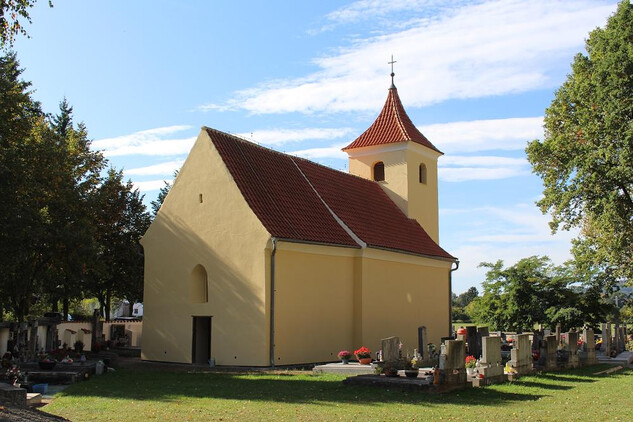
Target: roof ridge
x,y
285,154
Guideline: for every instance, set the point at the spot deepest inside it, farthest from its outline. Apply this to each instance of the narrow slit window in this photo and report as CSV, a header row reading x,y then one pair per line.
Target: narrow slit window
x,y
379,171
423,173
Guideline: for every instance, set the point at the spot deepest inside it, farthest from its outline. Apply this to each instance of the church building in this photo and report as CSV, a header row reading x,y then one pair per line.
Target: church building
x,y
258,258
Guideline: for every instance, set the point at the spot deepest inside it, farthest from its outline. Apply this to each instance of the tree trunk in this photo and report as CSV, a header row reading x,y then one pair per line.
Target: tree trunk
x,y
107,305
66,305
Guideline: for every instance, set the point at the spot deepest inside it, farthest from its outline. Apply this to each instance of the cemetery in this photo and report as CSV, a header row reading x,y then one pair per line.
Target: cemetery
x,y
43,353
474,357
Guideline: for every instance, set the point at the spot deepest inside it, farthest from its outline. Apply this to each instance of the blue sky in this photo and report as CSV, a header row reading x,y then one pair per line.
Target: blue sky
x,y
308,77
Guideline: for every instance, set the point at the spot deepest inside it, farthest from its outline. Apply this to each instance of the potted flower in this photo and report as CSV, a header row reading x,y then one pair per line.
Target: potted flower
x,y
46,362
411,369
363,355
344,356
470,363
391,369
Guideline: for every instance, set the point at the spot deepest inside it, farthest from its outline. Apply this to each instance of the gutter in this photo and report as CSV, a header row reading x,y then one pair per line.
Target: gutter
x,y
450,298
272,302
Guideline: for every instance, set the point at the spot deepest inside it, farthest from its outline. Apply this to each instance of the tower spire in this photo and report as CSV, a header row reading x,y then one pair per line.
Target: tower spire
x,y
392,74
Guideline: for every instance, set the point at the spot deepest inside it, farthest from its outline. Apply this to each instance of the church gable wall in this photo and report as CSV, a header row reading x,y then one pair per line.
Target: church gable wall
x,y
205,223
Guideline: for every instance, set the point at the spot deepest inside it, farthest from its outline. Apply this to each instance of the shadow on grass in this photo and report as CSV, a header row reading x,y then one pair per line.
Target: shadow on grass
x,y
296,389
546,386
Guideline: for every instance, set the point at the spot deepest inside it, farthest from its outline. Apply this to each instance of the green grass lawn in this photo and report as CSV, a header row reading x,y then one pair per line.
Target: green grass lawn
x,y
153,395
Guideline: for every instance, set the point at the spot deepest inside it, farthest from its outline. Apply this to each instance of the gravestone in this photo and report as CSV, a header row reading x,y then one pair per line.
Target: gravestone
x,y
557,333
32,345
616,338
454,363
421,339
539,345
551,346
521,354
606,339
572,347
621,339
473,342
391,349
481,333
490,366
590,347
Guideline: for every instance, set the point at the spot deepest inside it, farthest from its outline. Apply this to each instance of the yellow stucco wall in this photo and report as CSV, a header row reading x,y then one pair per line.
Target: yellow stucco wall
x,y
328,299
224,236
402,160
401,293
314,289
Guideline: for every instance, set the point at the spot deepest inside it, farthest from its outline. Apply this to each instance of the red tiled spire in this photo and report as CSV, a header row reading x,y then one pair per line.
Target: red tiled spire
x,y
392,125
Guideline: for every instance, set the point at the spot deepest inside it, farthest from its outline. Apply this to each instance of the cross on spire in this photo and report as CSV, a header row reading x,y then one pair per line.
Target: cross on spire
x,y
392,74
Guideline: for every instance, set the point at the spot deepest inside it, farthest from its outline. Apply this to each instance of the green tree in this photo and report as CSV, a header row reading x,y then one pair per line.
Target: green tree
x,y
23,212
121,219
75,179
586,155
534,291
162,194
11,13
468,296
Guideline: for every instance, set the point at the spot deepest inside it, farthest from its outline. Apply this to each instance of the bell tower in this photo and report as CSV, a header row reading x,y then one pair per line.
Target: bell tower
x,y
395,154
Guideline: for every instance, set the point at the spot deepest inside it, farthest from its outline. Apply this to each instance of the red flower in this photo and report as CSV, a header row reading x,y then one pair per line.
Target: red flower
x,y
363,352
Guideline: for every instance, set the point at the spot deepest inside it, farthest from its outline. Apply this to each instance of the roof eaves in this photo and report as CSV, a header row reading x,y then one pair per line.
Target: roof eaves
x,y
448,258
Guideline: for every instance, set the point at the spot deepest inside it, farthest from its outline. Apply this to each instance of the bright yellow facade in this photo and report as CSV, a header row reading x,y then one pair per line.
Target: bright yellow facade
x,y
205,221
207,255
402,183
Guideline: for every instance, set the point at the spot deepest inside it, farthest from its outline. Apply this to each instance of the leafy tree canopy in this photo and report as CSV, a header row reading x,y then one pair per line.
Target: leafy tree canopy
x,y
586,155
12,12
534,291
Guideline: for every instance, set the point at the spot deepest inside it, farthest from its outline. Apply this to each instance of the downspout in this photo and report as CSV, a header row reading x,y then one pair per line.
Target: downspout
x,y
450,298
272,302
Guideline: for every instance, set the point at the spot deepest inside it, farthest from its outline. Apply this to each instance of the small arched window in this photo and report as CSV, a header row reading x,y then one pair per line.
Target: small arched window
x,y
198,290
423,173
379,171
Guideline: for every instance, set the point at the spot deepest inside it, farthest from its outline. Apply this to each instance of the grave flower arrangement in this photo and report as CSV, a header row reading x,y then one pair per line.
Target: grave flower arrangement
x,y
471,362
344,355
362,353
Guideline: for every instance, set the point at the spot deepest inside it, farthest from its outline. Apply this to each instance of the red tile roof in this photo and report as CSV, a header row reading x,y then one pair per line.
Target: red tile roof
x,y
289,196
391,126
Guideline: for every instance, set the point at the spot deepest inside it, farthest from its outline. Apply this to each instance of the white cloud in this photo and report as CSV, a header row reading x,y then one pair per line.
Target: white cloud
x,y
478,135
474,173
463,168
147,142
284,136
149,185
518,232
333,151
161,169
482,161
470,51
363,10
484,135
